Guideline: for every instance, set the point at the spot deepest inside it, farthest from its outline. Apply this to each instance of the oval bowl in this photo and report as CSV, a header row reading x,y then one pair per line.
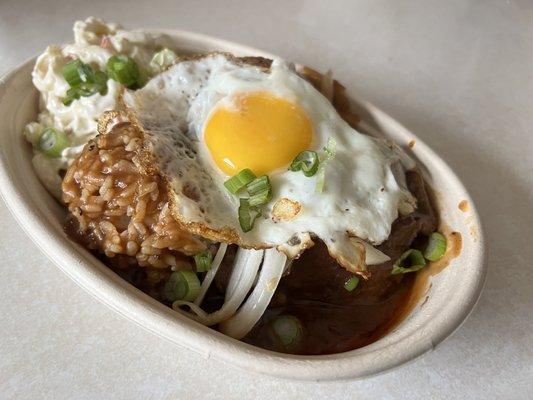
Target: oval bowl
x,y
451,296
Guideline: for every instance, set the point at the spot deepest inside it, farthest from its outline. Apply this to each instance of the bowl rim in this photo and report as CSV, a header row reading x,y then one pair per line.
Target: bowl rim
x,y
146,312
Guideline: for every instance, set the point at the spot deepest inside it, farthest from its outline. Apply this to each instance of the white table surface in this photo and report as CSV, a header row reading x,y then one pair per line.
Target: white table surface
x,y
457,73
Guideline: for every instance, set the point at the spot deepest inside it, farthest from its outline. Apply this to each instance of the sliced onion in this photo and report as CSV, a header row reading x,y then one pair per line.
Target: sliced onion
x,y
372,255
254,307
242,278
206,283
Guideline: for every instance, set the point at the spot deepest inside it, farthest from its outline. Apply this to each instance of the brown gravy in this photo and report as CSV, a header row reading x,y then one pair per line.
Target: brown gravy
x,y
338,320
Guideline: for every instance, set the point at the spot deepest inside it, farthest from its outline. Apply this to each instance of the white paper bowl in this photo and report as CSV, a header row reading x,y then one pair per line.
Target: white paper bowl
x,y
452,296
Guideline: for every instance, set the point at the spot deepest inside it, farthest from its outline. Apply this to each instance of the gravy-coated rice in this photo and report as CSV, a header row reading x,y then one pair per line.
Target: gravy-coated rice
x,y
118,209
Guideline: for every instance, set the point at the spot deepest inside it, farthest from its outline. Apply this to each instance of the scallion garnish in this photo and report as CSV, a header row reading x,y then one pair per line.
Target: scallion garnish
x,y
258,185
162,59
72,95
84,90
182,285
410,261
86,73
100,82
124,70
260,198
71,72
260,191
436,247
247,214
351,283
239,181
307,162
52,142
203,261
83,81
329,153
288,329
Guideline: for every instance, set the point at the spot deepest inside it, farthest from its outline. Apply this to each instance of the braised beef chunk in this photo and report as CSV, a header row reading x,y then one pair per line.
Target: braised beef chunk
x,y
425,212
406,229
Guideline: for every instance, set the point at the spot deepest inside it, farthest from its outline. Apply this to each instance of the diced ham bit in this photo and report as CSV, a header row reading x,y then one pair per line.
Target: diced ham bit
x,y
105,42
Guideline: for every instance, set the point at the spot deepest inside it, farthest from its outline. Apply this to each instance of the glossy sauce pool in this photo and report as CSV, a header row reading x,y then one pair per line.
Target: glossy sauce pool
x,y
334,319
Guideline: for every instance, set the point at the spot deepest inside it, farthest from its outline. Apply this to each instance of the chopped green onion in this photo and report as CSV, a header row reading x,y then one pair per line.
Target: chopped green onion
x,y
162,59
70,97
239,181
436,247
77,73
182,285
203,261
288,329
260,191
410,261
329,153
124,70
307,162
71,72
144,76
72,94
260,198
83,80
247,215
84,89
100,82
52,142
258,185
86,73
351,283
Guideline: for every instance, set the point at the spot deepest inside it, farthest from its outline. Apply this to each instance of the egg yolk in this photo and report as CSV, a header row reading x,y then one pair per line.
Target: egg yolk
x,y
259,131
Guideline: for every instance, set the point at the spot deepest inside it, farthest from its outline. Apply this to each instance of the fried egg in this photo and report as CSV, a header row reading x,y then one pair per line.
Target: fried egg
x,y
207,118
